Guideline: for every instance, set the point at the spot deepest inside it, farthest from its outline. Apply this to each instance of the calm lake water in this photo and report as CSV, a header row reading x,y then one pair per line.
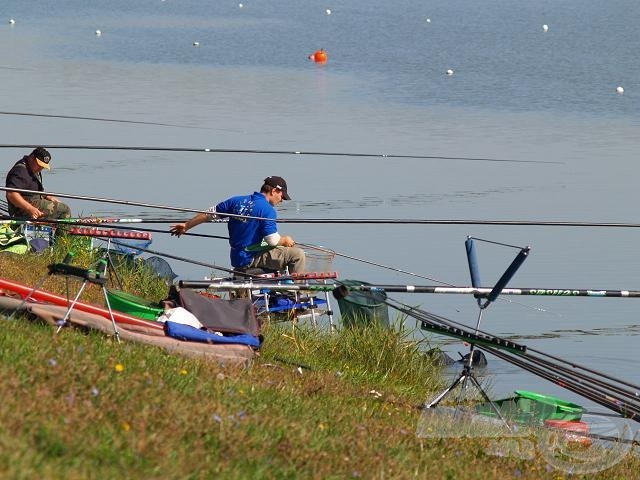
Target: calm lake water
x,y
517,92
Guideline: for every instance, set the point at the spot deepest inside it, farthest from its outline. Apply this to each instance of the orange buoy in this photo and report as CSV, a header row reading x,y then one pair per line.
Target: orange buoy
x,y
319,56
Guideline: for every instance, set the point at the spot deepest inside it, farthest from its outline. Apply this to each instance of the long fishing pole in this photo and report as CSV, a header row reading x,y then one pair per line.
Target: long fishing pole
x,y
600,396
274,152
483,292
628,410
183,259
70,222
425,221
106,200
337,220
453,326
574,381
95,119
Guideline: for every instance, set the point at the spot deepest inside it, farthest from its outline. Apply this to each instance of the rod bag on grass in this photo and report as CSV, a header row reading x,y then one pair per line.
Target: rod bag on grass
x,y
236,316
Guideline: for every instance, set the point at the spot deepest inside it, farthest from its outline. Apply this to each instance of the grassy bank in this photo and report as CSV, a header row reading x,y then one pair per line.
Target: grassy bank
x,y
313,405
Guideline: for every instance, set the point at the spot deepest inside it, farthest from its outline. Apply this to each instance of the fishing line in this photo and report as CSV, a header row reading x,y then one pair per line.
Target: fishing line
x,y
273,152
493,242
95,119
362,260
399,270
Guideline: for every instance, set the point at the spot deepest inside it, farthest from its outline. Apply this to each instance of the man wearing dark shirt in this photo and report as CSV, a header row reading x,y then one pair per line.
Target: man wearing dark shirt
x,y
26,174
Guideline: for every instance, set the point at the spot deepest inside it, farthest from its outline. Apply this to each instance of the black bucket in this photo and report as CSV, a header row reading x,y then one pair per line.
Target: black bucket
x,y
361,308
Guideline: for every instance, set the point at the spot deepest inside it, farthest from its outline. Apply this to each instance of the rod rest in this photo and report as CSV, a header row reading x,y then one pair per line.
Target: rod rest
x,y
89,275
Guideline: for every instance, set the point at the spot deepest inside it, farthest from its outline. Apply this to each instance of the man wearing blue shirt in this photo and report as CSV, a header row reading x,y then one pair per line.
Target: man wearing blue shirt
x,y
253,231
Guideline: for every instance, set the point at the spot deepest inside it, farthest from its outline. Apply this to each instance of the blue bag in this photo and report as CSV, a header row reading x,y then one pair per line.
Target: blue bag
x,y
192,334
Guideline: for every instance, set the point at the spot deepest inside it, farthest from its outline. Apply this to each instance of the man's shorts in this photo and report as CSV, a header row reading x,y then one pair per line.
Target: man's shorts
x,y
51,209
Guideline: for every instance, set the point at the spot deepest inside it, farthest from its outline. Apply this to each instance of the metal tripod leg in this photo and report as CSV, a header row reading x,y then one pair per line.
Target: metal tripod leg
x,y
467,375
26,299
75,300
446,391
63,322
495,408
116,333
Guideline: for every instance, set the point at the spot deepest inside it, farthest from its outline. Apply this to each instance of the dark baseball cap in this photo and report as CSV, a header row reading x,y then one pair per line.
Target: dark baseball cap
x,y
279,183
42,156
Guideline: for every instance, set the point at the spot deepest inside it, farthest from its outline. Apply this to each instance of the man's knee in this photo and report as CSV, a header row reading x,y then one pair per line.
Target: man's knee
x,y
297,260
52,209
62,210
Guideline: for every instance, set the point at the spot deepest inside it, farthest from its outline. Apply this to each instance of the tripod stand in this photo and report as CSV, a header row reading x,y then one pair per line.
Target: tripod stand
x,y
96,274
467,371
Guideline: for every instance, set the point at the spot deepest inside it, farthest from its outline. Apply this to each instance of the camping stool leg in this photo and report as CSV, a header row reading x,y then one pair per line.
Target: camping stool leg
x,y
266,304
63,322
314,319
26,299
110,265
112,270
332,325
116,333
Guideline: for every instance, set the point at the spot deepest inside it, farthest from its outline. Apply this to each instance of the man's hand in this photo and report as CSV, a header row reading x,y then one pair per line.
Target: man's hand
x,y
178,229
287,241
35,213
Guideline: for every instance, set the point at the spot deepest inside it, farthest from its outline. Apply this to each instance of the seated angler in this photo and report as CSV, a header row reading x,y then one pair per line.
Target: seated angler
x,y
253,231
26,174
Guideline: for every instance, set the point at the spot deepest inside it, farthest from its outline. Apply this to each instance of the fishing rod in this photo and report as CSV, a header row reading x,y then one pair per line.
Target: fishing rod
x,y
389,221
109,200
342,291
425,221
68,222
95,119
596,390
482,292
625,409
449,323
275,152
186,260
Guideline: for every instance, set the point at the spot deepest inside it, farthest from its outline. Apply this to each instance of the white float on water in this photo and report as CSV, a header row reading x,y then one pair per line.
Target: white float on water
x,y
328,10
240,5
428,20
619,90
545,28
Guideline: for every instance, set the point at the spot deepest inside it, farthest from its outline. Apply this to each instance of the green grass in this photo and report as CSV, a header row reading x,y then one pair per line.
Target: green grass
x,y
313,405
